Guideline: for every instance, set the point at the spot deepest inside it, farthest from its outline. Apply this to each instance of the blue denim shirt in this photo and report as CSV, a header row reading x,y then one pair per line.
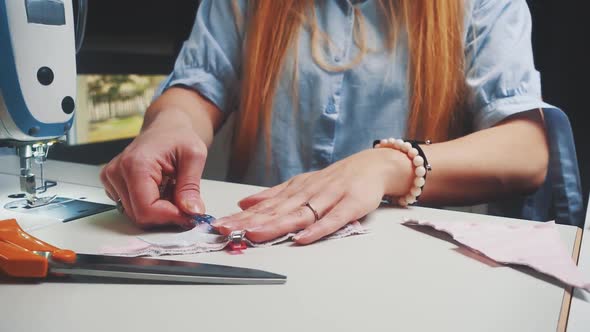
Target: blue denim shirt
x,y
340,114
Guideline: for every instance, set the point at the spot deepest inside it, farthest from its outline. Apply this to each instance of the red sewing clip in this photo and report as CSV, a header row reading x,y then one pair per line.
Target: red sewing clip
x,y
237,243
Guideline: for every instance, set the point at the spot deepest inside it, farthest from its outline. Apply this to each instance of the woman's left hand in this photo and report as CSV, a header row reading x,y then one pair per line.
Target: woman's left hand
x,y
340,193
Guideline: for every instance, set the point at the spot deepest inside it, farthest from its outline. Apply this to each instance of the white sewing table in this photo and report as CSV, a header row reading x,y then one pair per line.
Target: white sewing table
x,y
393,279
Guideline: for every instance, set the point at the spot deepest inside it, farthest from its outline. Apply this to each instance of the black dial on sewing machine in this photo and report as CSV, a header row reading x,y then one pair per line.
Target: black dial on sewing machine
x,y
68,105
45,75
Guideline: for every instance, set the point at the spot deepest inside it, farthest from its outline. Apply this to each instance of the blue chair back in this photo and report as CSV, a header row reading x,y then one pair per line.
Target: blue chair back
x,y
560,196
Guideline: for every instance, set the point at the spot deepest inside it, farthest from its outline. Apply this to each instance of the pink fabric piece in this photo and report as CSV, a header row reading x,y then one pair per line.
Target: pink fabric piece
x,y
536,245
199,240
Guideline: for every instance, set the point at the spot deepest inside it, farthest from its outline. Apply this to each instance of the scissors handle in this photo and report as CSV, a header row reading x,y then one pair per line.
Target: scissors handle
x,y
22,255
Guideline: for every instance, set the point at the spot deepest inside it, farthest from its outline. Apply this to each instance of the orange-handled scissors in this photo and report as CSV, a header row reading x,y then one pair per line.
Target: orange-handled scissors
x,y
24,256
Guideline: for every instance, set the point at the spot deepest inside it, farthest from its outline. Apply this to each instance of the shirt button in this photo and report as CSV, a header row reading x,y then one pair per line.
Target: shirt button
x,y
337,92
337,58
331,109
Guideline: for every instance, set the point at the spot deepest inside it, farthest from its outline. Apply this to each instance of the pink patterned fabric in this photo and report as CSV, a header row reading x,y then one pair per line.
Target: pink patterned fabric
x,y
536,245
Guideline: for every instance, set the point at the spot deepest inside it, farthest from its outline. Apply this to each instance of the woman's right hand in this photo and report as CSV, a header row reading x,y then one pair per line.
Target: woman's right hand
x,y
168,146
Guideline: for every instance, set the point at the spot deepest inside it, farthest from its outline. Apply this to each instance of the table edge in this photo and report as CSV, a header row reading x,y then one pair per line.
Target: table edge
x,y
567,295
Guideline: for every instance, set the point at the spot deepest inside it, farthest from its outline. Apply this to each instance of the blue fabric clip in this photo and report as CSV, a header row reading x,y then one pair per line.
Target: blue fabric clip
x,y
204,218
204,221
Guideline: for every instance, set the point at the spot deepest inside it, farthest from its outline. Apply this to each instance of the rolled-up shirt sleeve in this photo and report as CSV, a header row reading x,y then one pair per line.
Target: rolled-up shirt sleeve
x,y
209,61
500,71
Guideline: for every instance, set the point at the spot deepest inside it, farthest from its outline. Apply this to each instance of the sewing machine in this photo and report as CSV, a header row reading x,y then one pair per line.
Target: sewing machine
x,y
37,82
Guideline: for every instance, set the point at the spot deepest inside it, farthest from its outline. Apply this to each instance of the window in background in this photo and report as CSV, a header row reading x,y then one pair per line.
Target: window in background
x,y
111,107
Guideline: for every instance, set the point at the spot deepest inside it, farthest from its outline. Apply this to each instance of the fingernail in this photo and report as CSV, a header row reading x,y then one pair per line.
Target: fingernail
x,y
192,205
301,234
223,226
254,229
241,204
217,223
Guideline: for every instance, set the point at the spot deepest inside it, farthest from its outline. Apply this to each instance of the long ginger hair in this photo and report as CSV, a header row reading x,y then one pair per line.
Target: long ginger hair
x,y
436,79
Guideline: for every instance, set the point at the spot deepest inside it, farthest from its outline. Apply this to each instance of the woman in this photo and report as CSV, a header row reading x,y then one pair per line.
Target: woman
x,y
313,83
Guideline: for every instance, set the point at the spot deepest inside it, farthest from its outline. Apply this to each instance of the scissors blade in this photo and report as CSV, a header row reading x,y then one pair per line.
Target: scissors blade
x,y
137,268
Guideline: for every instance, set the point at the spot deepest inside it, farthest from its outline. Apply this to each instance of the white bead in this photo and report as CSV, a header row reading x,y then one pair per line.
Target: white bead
x,y
406,146
418,161
412,153
378,145
399,143
383,141
402,201
416,191
391,141
420,171
419,182
410,199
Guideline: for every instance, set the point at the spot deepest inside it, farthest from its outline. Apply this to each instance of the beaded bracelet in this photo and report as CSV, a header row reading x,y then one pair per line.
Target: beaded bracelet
x,y
421,166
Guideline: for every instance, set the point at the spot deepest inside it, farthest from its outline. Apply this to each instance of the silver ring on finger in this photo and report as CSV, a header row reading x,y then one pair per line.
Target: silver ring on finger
x,y
315,213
